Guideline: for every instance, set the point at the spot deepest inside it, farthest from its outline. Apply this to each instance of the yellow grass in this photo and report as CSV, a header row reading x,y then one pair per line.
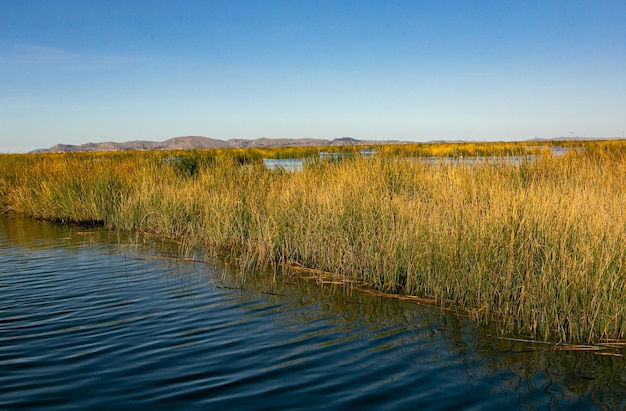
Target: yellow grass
x,y
539,246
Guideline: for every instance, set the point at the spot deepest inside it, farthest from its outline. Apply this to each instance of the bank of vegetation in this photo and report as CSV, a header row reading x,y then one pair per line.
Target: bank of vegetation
x,y
538,246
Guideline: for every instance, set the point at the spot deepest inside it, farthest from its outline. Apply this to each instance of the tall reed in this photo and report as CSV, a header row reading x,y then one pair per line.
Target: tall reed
x,y
540,246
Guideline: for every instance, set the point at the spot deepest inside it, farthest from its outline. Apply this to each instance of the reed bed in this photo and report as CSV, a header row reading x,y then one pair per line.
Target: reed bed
x,y
537,247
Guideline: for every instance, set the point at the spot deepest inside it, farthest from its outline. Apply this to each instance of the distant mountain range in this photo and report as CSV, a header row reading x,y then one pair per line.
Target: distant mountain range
x,y
195,142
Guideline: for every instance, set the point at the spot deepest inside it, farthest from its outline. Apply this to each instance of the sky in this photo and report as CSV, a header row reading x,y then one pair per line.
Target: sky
x,y
81,71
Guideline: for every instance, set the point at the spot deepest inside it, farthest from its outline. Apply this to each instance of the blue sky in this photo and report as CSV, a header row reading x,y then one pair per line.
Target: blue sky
x,y
89,71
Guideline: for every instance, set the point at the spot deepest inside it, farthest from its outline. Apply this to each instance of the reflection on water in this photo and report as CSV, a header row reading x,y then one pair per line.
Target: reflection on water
x,y
93,320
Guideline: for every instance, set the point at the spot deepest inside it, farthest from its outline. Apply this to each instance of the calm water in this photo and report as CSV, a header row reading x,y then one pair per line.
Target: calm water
x,y
287,164
88,321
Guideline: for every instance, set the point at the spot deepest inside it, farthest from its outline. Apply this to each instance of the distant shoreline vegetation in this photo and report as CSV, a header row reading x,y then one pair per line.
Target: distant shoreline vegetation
x,y
537,246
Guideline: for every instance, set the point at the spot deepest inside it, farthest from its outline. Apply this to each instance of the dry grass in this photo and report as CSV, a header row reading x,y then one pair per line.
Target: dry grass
x,y
539,246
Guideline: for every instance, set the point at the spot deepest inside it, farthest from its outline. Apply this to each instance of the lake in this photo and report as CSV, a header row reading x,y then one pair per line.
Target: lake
x,y
95,320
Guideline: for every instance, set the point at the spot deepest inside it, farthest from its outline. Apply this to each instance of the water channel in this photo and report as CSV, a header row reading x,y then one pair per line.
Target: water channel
x,y
95,320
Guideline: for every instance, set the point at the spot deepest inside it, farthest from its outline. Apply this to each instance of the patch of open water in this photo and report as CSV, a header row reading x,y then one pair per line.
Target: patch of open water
x,y
89,320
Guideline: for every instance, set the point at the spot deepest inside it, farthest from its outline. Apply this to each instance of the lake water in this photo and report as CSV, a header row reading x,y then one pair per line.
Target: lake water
x,y
286,164
89,320
297,164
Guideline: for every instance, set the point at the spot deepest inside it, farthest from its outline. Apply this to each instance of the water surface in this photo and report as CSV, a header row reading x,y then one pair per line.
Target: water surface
x,y
89,320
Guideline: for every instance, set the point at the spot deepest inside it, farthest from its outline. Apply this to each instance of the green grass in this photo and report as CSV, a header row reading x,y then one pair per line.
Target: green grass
x,y
538,248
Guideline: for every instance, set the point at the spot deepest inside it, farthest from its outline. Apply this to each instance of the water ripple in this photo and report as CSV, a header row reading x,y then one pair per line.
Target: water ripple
x,y
91,324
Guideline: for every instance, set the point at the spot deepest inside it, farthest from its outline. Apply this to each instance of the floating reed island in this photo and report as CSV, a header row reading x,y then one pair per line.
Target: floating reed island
x,y
536,245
